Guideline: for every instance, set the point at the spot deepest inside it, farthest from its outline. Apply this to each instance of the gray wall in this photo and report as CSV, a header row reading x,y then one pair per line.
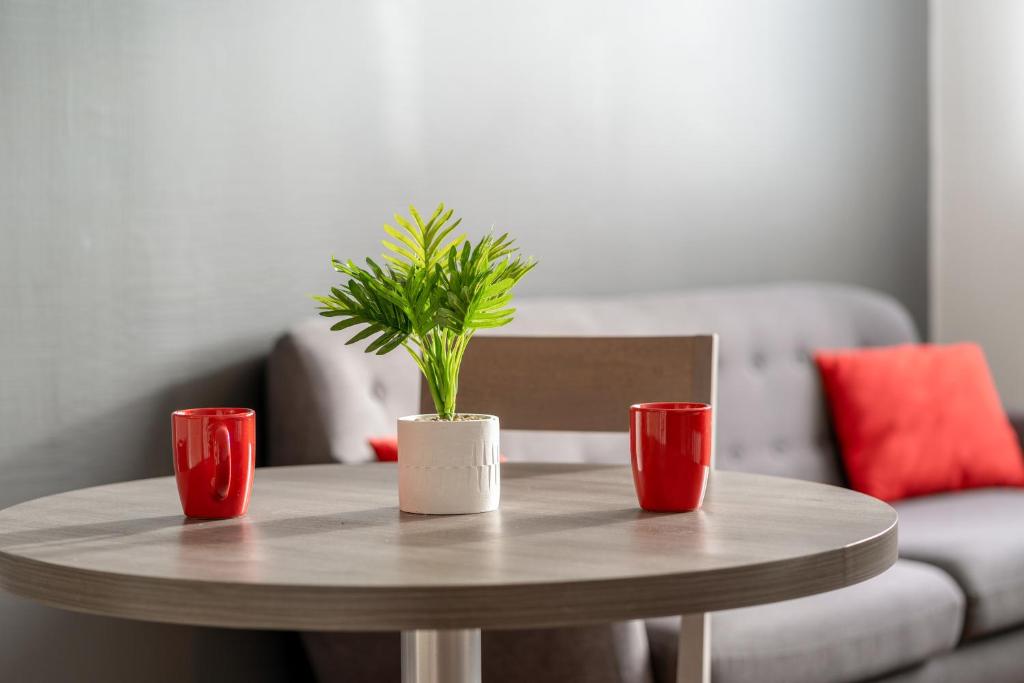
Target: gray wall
x,y
174,175
977,208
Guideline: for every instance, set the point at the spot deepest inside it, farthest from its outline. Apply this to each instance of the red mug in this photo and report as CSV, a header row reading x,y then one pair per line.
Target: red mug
x,y
670,445
214,460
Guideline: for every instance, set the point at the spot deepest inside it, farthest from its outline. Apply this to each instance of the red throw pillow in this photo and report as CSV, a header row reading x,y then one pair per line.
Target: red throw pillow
x,y
919,419
386,448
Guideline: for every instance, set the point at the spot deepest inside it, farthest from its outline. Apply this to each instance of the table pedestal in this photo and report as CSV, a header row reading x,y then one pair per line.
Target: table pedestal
x,y
694,653
441,656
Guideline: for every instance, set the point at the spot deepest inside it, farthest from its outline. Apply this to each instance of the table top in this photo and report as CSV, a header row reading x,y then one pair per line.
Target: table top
x,y
324,547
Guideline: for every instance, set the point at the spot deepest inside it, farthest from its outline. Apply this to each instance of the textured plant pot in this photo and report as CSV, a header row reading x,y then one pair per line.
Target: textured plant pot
x,y
448,468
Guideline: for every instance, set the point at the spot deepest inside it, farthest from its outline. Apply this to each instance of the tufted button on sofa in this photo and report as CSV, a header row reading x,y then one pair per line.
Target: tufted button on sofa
x,y
951,610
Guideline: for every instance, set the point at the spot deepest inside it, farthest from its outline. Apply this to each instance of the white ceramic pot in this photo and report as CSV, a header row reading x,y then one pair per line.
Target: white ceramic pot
x,y
448,467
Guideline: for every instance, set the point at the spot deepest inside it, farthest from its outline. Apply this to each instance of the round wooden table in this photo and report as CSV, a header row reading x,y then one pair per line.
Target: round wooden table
x,y
325,548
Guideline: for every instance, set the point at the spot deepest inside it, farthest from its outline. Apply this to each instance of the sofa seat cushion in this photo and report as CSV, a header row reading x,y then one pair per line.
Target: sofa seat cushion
x,y
977,537
900,618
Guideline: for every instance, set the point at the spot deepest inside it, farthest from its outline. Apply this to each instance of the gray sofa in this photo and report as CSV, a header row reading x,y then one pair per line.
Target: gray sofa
x,y
951,609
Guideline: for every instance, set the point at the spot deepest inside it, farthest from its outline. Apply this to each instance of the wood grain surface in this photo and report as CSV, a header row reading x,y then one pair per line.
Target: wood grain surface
x,y
325,548
591,380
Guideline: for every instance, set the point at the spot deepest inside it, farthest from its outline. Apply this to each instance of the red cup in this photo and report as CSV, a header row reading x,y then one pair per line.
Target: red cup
x,y
670,444
214,460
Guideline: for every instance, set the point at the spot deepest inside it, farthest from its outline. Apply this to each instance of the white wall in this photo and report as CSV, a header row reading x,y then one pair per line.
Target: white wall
x,y
977,205
175,173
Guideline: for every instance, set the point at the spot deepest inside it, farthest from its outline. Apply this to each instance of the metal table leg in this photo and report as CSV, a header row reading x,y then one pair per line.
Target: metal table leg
x,y
694,665
441,656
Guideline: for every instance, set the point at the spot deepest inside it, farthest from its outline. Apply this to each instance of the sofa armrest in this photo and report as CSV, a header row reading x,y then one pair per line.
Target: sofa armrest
x,y
324,399
296,430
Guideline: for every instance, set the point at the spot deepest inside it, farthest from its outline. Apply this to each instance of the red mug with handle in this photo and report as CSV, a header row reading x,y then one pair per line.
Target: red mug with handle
x,y
214,460
670,445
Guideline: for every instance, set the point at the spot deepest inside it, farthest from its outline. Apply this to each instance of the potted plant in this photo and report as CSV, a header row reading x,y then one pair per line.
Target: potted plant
x,y
430,294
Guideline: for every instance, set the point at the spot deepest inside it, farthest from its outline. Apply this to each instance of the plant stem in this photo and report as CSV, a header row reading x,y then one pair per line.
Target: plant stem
x,y
439,358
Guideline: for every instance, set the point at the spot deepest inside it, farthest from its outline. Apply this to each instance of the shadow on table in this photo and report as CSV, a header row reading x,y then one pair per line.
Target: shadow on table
x,y
82,532
545,469
413,530
196,531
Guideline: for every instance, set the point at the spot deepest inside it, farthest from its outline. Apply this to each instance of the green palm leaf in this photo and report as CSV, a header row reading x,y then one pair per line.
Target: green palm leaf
x,y
371,298
429,294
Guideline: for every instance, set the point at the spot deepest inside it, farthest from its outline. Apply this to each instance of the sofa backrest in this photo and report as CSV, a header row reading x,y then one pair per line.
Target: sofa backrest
x,y
325,399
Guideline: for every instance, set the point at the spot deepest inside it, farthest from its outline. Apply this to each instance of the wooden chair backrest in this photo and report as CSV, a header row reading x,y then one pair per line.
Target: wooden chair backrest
x,y
583,384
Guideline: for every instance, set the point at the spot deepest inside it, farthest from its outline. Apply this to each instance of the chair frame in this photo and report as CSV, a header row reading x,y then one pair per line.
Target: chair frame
x,y
586,384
